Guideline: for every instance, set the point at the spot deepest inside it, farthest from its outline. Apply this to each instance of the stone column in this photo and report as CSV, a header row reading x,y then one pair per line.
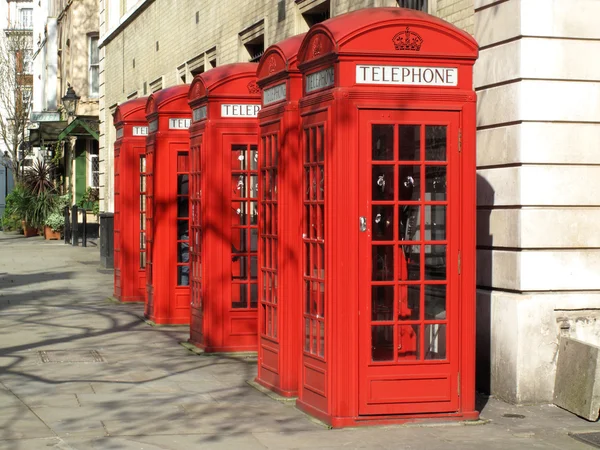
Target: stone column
x,y
538,146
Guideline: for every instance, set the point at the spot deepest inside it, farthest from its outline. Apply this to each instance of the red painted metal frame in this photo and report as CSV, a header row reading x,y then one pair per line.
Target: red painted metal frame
x,y
168,302
219,325
333,386
280,191
130,272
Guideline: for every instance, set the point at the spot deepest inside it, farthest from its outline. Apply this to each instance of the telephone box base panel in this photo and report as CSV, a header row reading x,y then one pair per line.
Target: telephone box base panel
x,y
132,299
246,350
276,390
342,422
168,320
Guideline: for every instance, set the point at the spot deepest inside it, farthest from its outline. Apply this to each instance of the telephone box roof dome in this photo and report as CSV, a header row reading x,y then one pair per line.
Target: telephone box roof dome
x,y
280,57
240,79
132,110
390,31
169,100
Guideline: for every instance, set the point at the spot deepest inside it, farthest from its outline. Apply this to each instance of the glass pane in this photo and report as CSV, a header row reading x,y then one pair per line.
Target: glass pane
x,y
307,145
274,299
383,262
142,260
321,152
435,186
253,239
322,299
408,342
321,190
322,261
307,259
409,302
306,335
409,142
307,183
238,213
383,183
182,185
382,343
143,221
435,143
183,278
253,157
322,338
239,296
382,303
239,267
253,267
142,164
182,230
435,302
410,220
435,341
409,183
435,223
182,206
253,213
183,254
307,297
382,144
410,262
435,262
239,241
383,223
275,151
238,183
254,186
253,295
238,157
142,183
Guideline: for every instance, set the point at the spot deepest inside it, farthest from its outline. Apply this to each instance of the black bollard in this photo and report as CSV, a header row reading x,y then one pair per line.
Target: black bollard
x,y
74,227
67,230
84,226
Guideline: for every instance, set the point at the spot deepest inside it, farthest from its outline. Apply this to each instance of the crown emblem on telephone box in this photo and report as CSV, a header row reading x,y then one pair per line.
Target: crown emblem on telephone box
x,y
407,40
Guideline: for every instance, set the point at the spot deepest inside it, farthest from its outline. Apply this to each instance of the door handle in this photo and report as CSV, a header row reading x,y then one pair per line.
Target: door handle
x,y
362,224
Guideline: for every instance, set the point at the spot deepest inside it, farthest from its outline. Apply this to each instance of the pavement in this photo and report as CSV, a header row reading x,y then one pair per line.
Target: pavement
x,y
78,371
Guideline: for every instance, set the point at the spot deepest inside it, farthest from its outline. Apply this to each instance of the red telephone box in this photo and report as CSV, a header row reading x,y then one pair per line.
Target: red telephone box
x,y
224,151
280,230
388,117
167,181
130,201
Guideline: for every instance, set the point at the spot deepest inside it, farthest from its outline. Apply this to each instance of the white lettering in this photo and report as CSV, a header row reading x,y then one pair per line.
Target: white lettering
x,y
319,80
239,110
407,75
179,123
140,131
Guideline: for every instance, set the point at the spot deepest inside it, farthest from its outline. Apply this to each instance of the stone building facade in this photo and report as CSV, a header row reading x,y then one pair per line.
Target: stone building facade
x,y
538,138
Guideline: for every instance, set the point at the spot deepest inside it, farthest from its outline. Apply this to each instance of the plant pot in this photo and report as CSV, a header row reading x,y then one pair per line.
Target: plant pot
x,y
50,234
27,230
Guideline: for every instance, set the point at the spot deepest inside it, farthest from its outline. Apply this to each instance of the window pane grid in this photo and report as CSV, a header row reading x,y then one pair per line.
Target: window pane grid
x,y
269,233
195,244
314,240
409,243
183,230
244,228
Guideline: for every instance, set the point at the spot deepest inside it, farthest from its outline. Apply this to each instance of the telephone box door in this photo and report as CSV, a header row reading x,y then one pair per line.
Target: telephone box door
x,y
409,253
242,151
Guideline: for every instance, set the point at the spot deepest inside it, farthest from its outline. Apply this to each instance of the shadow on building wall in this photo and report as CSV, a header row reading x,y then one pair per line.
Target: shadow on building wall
x,y
483,364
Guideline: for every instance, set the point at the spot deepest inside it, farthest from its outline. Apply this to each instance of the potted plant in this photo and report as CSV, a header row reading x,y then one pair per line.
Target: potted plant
x,y
54,225
19,204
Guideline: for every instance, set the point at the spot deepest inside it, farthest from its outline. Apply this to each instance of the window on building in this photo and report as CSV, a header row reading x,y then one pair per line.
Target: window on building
x,y
94,165
156,85
25,96
26,18
314,12
28,62
253,41
94,65
419,5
